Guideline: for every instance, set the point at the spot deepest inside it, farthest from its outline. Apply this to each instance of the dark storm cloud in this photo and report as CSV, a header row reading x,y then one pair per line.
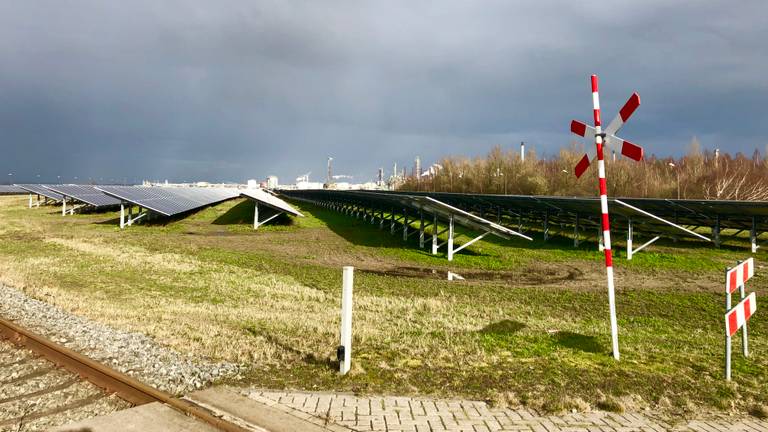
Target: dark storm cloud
x,y
239,89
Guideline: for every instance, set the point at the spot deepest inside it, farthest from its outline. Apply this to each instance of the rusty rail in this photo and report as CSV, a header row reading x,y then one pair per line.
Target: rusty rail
x,y
107,378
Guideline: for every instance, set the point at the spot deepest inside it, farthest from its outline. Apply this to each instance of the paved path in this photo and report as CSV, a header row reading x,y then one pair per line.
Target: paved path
x,y
389,414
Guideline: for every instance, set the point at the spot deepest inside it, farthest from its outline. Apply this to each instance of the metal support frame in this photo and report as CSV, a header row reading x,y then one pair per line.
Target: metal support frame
x,y
256,223
546,225
630,233
72,209
123,222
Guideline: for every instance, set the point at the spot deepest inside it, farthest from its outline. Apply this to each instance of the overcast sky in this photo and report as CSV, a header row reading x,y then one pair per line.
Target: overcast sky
x,y
231,90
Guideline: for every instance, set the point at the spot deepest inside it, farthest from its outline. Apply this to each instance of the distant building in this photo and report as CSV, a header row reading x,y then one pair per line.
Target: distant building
x,y
253,184
272,182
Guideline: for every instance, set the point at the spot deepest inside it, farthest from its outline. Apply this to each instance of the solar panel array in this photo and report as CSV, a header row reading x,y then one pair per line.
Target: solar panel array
x,y
41,190
270,200
85,194
170,201
398,201
12,190
508,209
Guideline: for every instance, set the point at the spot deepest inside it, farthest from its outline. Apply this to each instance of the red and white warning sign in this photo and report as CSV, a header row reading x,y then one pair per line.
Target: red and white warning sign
x,y
737,276
736,318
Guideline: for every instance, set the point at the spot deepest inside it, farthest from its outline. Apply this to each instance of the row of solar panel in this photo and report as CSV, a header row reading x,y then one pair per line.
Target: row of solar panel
x,y
646,214
167,201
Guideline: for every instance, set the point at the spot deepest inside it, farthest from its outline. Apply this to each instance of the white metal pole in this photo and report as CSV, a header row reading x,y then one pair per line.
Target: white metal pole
x,y
30,200
629,238
434,236
450,238
256,223
64,207
421,230
346,320
122,215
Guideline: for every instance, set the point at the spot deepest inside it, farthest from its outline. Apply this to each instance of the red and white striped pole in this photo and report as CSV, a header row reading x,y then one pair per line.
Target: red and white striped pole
x,y
605,221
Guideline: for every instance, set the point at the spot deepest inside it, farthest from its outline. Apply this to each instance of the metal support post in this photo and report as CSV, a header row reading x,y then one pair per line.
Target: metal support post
x,y
344,352
30,200
716,232
405,224
546,225
753,235
64,206
434,236
381,219
392,222
122,216
256,215
600,245
421,229
629,238
576,232
450,238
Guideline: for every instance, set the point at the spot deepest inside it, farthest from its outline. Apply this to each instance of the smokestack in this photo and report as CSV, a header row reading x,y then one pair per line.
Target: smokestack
x,y
417,169
381,176
330,177
522,151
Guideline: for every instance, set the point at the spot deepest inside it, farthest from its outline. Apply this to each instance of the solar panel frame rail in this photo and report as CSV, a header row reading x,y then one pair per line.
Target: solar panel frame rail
x,y
265,198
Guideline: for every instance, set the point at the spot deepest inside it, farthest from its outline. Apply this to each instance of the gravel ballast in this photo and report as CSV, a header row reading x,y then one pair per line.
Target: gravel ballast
x,y
132,353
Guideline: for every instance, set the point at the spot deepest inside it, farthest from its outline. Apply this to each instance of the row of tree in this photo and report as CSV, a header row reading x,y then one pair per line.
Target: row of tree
x,y
696,175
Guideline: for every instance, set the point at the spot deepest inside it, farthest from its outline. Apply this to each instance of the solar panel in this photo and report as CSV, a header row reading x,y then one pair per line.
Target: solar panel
x,y
170,201
416,202
11,190
269,200
41,190
85,194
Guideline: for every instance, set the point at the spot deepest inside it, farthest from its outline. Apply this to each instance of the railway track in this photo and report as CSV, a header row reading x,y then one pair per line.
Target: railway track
x,y
44,384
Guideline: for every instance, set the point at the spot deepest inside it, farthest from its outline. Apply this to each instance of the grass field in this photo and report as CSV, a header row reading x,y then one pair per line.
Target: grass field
x,y
529,326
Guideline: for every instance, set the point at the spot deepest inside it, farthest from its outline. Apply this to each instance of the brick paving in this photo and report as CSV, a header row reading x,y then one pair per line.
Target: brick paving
x,y
344,412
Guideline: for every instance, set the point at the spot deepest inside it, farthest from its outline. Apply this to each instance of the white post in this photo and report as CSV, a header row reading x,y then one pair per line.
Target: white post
x,y
434,236
753,236
450,238
421,230
392,222
30,200
122,215
629,238
600,245
64,206
345,350
255,215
